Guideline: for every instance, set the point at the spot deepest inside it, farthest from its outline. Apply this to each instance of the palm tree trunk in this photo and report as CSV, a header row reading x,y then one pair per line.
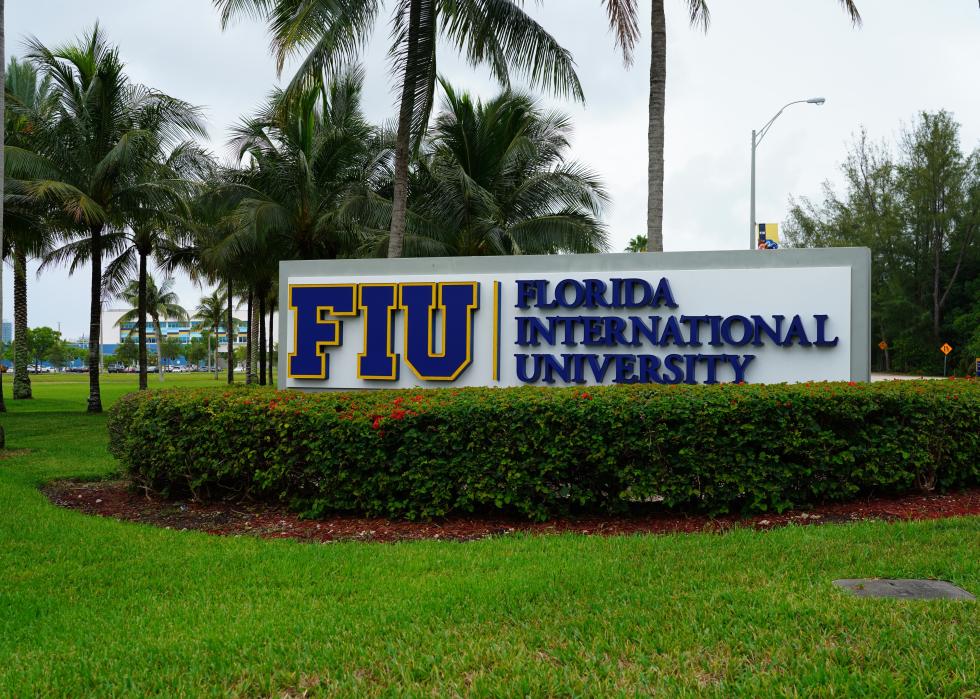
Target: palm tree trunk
x,y
22,380
214,331
261,339
655,144
399,200
249,345
229,333
254,335
141,320
159,334
95,324
272,329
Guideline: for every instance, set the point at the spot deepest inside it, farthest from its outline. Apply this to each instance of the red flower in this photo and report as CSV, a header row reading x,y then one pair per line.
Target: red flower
x,y
397,414
399,401
417,399
851,383
377,423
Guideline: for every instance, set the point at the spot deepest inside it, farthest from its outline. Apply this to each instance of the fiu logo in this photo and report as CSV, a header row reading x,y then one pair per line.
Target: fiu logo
x,y
319,311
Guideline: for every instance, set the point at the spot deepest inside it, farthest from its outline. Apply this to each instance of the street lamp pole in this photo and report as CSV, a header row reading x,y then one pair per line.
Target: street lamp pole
x,y
757,136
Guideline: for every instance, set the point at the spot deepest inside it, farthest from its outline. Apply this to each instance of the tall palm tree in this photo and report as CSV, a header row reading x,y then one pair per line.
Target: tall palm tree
x,y
497,33
177,174
96,153
27,228
303,160
624,22
160,302
211,312
495,180
151,224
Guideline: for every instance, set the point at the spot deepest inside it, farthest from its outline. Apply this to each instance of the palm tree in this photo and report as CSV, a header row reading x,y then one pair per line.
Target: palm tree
x,y
159,301
97,151
495,180
202,248
178,175
638,243
211,312
152,224
624,22
303,160
497,33
27,228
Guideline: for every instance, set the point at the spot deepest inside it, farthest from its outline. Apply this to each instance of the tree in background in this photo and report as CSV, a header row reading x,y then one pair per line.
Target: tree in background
x,y
170,350
63,353
637,244
917,207
498,34
494,179
198,349
40,343
160,302
127,352
211,312
623,18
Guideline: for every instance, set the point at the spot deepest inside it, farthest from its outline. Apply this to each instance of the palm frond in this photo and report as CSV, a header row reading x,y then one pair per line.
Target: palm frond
x,y
625,25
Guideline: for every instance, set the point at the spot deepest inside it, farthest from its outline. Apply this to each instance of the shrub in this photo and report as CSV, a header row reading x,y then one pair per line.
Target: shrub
x,y
547,451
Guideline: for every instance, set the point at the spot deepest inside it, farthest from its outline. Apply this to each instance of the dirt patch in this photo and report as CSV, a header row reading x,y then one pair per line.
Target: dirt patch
x,y
13,453
115,499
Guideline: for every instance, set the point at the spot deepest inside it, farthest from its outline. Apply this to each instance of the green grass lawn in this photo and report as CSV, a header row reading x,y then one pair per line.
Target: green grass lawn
x,y
91,606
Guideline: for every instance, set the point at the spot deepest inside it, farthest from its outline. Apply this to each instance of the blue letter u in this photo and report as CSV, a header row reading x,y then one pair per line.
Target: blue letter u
x,y
456,302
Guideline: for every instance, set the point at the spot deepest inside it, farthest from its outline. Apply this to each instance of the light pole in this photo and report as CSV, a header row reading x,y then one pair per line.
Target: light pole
x,y
757,136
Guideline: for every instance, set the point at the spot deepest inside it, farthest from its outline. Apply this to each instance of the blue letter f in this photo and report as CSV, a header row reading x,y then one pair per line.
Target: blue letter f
x,y
312,332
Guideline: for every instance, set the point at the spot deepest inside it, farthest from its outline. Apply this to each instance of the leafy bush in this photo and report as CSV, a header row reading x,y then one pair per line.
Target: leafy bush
x,y
548,451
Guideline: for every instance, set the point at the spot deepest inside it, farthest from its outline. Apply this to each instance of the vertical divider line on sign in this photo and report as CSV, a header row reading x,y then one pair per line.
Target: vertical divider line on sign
x,y
496,331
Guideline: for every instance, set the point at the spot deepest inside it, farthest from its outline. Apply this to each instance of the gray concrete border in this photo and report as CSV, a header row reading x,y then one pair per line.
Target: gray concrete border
x,y
858,259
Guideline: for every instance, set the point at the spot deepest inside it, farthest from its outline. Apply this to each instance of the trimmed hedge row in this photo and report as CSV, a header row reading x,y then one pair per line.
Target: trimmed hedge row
x,y
546,451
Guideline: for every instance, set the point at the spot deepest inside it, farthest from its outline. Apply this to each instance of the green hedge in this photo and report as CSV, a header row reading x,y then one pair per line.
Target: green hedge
x,y
548,451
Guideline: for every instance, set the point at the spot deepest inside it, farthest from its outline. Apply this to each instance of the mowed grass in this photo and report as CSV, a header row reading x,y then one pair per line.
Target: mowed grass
x,y
92,606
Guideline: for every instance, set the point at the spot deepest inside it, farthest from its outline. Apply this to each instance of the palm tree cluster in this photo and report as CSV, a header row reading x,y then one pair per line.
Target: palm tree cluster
x,y
105,174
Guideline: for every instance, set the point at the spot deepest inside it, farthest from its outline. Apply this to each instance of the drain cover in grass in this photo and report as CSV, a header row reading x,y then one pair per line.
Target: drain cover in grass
x,y
904,589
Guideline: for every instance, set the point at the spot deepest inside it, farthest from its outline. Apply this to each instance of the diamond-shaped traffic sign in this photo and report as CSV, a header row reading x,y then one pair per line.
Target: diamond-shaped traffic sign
x,y
946,348
882,345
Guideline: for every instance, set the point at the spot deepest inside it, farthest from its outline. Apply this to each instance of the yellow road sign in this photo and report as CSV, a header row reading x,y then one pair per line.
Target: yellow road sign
x,y
946,348
882,345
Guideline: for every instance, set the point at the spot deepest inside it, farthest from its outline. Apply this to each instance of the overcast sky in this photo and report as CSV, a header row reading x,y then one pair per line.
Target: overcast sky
x,y
910,55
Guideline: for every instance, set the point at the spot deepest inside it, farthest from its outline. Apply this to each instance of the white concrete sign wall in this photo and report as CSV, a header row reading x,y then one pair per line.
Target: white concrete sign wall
x,y
753,316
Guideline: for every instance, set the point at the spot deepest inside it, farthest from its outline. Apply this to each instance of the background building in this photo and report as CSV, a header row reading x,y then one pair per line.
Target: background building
x,y
114,332
7,334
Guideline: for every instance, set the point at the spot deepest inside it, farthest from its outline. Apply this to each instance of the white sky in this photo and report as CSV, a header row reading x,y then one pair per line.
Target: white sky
x,y
911,55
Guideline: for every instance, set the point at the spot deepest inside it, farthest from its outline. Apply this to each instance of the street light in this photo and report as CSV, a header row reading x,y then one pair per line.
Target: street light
x,y
757,137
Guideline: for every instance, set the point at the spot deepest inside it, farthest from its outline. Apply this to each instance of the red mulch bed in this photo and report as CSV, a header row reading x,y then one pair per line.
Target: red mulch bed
x,y
115,499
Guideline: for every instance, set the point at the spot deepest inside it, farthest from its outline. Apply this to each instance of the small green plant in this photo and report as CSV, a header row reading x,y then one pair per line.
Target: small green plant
x,y
544,451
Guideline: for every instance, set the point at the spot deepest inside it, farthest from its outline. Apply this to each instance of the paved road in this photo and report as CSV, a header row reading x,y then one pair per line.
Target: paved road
x,y
900,377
